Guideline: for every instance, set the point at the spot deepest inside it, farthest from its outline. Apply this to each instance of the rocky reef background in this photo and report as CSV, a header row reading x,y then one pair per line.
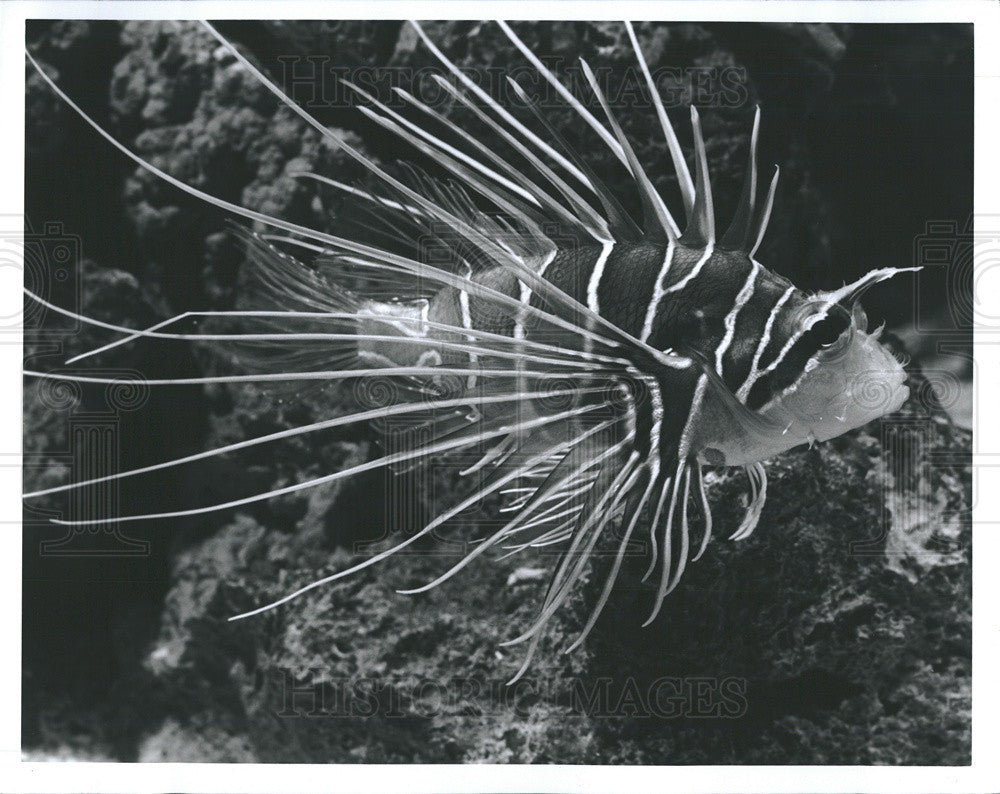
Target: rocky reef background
x,y
839,633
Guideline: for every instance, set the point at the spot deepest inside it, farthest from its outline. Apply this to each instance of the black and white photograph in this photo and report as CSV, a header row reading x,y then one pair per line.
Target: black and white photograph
x,y
511,391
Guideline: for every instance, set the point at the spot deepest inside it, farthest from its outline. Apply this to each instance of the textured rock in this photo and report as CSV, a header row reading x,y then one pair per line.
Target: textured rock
x,y
839,633
201,117
807,642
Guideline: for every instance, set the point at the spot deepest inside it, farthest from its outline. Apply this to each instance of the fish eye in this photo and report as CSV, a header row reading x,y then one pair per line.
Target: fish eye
x,y
826,326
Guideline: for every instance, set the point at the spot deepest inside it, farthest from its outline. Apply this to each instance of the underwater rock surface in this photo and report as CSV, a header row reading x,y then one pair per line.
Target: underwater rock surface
x,y
840,632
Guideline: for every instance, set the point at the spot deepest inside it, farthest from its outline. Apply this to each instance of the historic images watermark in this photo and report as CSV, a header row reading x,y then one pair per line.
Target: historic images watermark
x,y
663,698
317,82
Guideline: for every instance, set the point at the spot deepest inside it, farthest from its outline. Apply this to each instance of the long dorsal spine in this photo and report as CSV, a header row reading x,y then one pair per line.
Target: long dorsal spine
x,y
676,153
700,231
658,223
738,235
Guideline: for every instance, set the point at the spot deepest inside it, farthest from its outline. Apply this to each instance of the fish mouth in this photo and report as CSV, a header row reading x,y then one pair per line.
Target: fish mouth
x,y
862,382
845,387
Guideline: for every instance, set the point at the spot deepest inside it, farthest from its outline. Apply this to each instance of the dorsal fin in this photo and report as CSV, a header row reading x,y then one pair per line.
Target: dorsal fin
x,y
657,221
676,154
619,221
490,102
566,94
442,145
496,195
700,231
589,220
737,236
764,215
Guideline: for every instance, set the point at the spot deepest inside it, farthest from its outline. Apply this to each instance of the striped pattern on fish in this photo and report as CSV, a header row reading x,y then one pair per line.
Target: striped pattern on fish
x,y
596,363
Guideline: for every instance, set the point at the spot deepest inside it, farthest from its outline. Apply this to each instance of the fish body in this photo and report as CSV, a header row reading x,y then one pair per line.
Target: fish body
x,y
721,305
592,364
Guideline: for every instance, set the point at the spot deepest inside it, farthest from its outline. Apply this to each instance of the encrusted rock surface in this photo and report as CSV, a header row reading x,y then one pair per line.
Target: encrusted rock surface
x,y
838,633
806,642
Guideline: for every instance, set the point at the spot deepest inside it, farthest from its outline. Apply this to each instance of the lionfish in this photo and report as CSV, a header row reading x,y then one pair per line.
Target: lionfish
x,y
589,366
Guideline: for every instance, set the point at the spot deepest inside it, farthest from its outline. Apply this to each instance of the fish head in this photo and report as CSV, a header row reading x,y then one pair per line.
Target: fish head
x,y
816,374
